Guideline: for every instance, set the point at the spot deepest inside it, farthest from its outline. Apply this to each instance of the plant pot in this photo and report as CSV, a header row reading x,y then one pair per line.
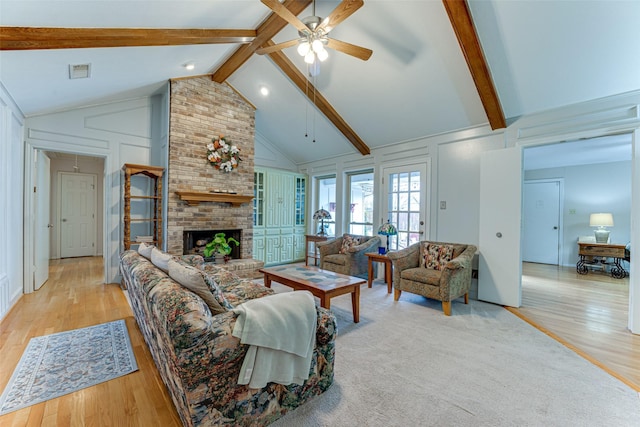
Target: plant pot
x,y
219,258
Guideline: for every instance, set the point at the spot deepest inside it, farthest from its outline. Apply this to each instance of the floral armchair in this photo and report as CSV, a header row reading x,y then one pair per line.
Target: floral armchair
x,y
437,270
346,254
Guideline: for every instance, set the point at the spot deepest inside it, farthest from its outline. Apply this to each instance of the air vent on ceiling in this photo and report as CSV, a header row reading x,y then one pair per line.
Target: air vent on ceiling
x,y
79,71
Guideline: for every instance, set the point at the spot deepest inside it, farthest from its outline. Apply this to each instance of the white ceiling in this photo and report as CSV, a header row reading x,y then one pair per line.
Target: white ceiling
x,y
541,54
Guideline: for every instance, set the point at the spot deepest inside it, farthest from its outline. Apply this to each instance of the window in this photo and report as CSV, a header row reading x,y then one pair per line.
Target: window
x,y
360,202
326,199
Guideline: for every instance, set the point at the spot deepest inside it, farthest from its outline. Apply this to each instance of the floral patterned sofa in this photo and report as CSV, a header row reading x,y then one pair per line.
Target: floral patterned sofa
x,y
198,358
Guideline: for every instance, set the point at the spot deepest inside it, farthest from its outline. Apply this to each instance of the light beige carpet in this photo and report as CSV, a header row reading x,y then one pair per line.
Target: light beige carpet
x,y
406,364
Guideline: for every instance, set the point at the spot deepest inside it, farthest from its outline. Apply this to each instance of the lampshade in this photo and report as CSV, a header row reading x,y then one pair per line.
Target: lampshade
x,y
322,214
387,229
601,220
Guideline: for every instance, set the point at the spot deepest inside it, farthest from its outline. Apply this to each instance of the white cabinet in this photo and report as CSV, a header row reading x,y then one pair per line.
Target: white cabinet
x,y
279,216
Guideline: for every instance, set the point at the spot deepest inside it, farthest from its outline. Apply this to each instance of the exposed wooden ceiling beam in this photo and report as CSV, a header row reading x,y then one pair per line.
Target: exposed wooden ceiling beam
x,y
28,38
265,32
462,22
320,101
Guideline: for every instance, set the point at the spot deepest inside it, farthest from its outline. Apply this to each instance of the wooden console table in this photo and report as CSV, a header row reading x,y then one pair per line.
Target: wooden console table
x,y
388,268
589,252
312,238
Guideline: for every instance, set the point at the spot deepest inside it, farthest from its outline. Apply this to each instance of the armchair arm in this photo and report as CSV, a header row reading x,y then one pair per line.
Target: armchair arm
x,y
404,259
455,279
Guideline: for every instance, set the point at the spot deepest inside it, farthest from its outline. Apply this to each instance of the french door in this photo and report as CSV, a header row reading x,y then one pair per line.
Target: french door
x,y
405,195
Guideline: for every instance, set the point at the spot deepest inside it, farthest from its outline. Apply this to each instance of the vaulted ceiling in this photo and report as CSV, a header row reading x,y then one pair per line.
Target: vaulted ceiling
x,y
428,74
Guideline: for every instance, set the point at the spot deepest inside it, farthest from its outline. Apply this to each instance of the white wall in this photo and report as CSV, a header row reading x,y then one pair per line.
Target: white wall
x,y
118,132
268,156
11,207
604,187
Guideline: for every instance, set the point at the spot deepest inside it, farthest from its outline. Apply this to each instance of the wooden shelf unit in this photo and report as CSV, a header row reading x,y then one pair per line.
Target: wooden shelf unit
x,y
155,174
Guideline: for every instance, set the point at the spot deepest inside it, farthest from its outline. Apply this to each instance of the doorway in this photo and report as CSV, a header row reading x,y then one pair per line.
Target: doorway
x,y
49,218
542,225
405,202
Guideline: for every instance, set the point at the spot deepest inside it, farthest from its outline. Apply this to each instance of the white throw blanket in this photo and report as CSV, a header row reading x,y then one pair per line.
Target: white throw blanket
x,y
280,330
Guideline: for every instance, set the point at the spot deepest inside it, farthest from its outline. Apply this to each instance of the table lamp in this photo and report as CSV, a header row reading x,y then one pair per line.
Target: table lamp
x,y
387,229
321,214
601,220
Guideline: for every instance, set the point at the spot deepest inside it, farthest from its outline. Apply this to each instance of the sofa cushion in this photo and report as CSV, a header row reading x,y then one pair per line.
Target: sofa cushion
x,y
338,259
348,242
436,256
160,259
192,279
145,250
422,275
216,291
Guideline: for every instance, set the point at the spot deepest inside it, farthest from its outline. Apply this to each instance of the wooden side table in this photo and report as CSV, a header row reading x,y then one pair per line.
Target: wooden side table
x,y
588,251
312,238
388,268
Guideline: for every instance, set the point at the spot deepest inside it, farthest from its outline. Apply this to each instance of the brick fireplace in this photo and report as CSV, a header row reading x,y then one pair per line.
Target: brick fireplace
x,y
201,109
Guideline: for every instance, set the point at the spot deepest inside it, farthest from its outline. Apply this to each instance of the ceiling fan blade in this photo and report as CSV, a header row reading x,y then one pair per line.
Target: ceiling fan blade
x,y
350,49
286,14
276,47
339,14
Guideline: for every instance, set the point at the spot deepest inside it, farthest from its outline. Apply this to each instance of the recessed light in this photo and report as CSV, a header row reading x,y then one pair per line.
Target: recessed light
x,y
264,91
189,66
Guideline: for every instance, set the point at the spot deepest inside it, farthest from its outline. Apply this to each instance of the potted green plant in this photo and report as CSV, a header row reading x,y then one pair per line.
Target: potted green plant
x,y
219,247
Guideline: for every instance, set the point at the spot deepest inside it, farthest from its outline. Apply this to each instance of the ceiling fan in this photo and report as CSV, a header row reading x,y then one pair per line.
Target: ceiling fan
x,y
314,32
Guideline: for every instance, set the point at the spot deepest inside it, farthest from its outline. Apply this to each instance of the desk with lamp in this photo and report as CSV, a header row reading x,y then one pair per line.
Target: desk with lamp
x,y
594,254
387,229
321,236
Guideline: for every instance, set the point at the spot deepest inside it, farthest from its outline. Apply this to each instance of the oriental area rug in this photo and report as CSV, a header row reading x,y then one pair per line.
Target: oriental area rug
x,y
58,364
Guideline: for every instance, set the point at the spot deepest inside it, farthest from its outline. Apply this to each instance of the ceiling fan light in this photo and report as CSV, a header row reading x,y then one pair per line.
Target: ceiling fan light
x,y
304,48
323,55
317,46
310,57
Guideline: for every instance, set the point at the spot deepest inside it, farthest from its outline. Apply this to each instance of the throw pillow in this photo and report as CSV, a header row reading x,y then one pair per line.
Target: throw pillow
x,y
216,291
435,256
145,250
160,259
348,242
191,278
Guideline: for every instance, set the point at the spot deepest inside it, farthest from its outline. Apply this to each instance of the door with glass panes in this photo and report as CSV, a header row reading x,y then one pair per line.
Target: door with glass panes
x,y
405,206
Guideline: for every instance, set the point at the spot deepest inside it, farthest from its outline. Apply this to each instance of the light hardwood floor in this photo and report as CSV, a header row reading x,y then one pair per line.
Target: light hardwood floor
x,y
588,313
74,297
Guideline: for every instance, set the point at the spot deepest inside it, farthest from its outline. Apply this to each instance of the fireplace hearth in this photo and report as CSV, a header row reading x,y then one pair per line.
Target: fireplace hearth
x,y
194,241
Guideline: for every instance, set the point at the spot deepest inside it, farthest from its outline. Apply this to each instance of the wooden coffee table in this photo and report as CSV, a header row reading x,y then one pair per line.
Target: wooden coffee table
x,y
323,284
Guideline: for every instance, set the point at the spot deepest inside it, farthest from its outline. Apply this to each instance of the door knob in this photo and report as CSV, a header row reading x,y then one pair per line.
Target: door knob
x,y
49,225
64,219
555,228
498,235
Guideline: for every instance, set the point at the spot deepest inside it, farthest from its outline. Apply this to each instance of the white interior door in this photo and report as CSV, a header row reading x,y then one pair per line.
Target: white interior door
x,y
500,267
405,195
42,211
541,222
77,214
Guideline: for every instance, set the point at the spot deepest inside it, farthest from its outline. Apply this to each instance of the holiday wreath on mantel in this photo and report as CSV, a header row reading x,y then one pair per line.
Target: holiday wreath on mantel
x,y
223,155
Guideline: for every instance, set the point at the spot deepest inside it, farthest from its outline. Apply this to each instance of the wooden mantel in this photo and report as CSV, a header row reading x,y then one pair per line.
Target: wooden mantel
x,y
194,198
